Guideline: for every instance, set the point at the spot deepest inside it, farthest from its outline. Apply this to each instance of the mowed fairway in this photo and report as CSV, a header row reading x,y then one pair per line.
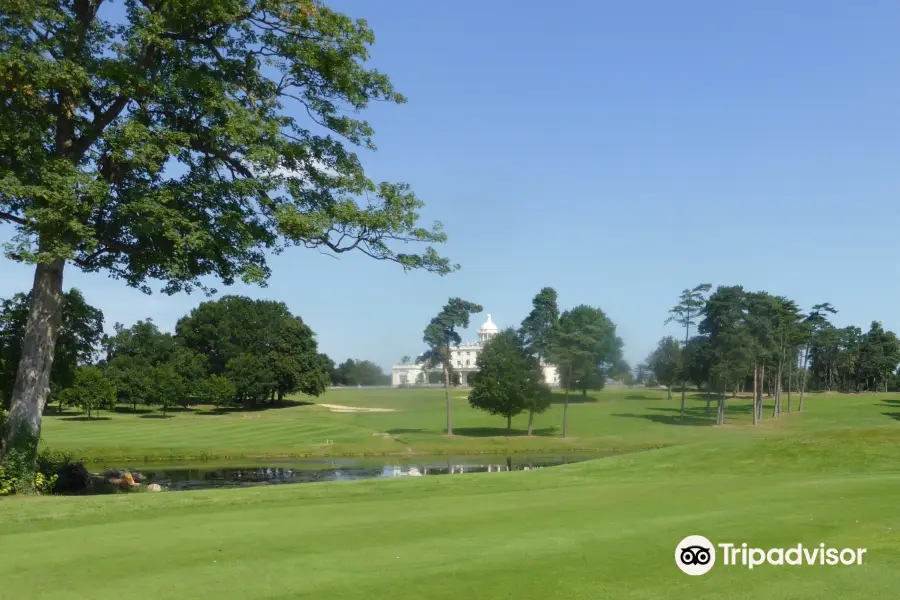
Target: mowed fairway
x,y
601,529
605,422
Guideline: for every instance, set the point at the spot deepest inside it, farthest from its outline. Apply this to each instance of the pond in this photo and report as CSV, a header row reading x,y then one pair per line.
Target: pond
x,y
198,476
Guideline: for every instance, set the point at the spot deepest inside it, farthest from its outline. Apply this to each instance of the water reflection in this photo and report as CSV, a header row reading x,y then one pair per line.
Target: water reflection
x,y
201,477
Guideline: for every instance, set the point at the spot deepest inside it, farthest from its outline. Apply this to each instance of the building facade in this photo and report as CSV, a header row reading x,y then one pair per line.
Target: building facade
x,y
462,358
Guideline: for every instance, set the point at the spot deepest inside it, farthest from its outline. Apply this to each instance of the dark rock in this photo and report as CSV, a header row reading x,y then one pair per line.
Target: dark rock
x,y
112,473
138,477
72,478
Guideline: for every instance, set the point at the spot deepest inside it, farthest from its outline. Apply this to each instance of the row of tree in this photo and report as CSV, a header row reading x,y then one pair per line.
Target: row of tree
x,y
230,351
754,340
581,343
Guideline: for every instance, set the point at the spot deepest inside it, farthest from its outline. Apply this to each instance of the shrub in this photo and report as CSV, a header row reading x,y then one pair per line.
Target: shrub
x,y
68,474
18,477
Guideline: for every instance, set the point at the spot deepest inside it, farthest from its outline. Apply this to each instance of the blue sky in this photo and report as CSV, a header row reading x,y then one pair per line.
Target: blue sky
x,y
617,151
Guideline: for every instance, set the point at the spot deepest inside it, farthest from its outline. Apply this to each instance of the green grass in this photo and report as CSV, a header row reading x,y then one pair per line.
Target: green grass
x,y
606,528
608,422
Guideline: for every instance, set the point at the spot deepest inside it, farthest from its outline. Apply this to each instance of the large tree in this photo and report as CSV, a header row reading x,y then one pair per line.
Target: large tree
x,y
133,355
696,359
815,322
359,372
440,336
282,343
685,313
538,329
731,345
90,391
509,379
584,347
162,143
666,363
80,334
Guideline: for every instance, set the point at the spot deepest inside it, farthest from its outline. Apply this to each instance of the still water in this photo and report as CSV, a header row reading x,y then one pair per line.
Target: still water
x,y
199,476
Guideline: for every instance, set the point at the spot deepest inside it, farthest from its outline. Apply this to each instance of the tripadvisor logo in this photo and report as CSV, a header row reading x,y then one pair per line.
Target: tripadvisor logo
x,y
696,555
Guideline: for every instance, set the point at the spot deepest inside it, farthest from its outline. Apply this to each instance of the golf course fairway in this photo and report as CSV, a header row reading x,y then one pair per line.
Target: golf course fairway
x,y
605,528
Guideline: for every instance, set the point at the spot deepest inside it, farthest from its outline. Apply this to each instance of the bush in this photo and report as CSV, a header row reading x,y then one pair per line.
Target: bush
x,y
56,473
18,477
69,475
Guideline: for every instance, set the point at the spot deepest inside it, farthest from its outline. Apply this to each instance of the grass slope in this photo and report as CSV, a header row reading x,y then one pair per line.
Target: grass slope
x,y
602,529
607,422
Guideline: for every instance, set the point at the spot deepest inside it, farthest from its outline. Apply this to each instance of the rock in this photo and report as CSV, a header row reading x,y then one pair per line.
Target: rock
x,y
116,481
129,478
154,487
109,473
138,477
73,478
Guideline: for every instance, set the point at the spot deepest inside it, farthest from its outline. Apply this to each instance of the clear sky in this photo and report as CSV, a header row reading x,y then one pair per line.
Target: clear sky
x,y
617,151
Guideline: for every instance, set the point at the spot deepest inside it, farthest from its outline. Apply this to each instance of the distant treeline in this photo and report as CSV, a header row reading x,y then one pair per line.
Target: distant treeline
x,y
231,351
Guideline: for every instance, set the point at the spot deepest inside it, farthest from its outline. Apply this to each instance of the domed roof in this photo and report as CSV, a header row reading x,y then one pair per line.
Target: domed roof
x,y
489,325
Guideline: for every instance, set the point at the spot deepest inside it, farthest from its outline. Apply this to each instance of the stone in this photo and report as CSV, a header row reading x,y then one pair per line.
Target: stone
x,y
138,477
154,487
112,473
128,477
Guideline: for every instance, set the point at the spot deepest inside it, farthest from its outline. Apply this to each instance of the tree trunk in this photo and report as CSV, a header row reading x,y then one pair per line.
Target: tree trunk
x,y
530,420
32,385
790,382
755,387
449,406
803,377
777,391
708,393
508,423
687,334
669,391
720,412
566,406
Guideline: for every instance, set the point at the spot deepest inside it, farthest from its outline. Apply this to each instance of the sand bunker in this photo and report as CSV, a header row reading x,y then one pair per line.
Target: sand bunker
x,y
342,408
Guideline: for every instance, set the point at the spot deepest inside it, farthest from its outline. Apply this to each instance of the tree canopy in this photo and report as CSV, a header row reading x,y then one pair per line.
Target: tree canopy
x,y
509,380
440,335
666,362
176,142
80,334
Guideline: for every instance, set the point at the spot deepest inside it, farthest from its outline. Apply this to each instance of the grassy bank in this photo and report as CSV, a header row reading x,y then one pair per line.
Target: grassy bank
x,y
606,422
602,529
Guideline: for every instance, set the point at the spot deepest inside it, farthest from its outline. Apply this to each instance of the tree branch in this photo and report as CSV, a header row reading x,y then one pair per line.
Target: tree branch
x,y
13,218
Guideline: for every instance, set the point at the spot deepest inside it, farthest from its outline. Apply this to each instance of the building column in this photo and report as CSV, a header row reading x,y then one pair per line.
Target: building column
x,y
464,378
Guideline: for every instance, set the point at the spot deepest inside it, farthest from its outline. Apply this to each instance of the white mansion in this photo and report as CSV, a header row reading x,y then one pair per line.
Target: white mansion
x,y
463,359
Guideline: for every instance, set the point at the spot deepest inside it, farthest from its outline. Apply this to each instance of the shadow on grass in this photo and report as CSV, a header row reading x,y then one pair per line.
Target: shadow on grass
x,y
156,416
128,410
405,431
575,398
86,418
672,419
694,416
53,411
893,415
891,403
501,432
240,409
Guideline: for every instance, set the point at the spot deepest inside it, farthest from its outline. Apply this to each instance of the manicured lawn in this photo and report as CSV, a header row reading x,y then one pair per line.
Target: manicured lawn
x,y
606,422
600,529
